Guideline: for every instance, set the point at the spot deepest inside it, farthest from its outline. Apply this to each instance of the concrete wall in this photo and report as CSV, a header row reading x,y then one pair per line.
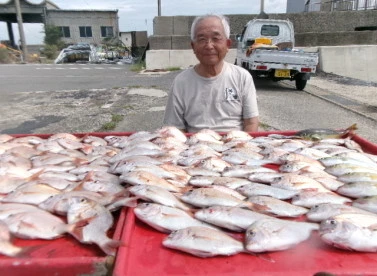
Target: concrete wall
x,y
76,18
355,61
311,28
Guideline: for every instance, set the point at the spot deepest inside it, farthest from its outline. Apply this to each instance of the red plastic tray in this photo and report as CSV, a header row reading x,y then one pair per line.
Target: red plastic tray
x,y
63,256
145,254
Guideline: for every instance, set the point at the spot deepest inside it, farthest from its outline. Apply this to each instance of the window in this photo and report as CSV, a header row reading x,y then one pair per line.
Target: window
x,y
64,31
270,30
107,31
85,31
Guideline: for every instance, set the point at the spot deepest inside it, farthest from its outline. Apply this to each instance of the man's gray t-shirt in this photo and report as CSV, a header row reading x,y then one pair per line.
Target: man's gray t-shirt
x,y
219,103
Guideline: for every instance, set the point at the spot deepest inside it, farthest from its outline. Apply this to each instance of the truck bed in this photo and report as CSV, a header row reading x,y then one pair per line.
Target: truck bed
x,y
284,57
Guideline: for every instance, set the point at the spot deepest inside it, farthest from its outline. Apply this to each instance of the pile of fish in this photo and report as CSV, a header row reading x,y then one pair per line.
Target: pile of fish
x,y
274,189
199,189
58,185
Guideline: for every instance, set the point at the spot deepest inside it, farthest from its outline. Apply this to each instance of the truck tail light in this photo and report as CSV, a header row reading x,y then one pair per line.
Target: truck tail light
x,y
306,70
261,67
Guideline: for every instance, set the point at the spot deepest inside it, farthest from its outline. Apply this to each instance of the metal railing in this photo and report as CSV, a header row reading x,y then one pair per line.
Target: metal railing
x,y
340,5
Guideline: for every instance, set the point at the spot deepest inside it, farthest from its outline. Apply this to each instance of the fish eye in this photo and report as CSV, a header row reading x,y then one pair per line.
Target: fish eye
x,y
332,221
251,233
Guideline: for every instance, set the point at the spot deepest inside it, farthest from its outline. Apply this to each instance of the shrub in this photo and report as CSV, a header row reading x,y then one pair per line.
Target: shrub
x,y
50,51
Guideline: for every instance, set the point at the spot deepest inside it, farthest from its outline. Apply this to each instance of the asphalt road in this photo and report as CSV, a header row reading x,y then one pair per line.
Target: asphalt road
x,y
38,98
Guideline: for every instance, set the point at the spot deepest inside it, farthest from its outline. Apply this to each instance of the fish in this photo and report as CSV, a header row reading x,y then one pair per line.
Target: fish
x,y
7,248
99,221
232,218
323,211
354,232
277,207
244,170
297,182
272,234
206,197
203,242
37,225
147,178
166,219
358,189
158,195
297,166
340,169
253,189
358,176
31,193
308,198
368,203
316,134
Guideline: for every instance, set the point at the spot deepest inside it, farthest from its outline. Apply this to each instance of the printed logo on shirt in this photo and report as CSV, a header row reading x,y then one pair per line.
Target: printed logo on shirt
x,y
231,95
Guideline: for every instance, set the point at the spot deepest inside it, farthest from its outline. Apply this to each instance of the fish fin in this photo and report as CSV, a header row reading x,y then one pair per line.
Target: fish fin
x,y
258,207
110,247
123,202
88,177
76,229
36,175
265,256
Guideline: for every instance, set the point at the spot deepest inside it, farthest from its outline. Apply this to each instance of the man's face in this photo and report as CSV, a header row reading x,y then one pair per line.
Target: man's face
x,y
210,44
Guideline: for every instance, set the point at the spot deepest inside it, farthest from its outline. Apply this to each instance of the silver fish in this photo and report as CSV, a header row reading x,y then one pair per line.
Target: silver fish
x,y
95,231
206,197
7,248
203,242
253,189
232,218
323,211
166,219
277,207
368,203
273,234
308,198
358,189
355,232
158,195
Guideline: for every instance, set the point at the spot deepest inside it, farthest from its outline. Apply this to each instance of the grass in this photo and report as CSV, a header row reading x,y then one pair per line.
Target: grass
x,y
115,119
137,67
173,68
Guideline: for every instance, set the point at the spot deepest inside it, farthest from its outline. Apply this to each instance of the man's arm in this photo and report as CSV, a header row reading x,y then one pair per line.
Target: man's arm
x,y
251,124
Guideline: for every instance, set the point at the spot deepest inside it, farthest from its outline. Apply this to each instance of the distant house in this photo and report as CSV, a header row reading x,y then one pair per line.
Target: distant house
x,y
84,26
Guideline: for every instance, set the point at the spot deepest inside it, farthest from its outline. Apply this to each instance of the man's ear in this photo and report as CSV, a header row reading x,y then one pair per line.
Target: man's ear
x,y
229,42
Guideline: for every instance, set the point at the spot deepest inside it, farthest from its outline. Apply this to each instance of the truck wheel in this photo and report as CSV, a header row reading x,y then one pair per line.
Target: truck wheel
x,y
300,84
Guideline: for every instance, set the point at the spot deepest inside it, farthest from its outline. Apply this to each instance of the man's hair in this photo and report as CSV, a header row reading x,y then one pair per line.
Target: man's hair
x,y
224,20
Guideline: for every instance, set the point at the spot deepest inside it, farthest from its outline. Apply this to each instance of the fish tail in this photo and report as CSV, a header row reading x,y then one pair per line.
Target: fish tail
x,y
350,131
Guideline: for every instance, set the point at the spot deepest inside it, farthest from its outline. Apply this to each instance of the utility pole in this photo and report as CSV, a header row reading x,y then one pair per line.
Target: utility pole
x,y
261,6
159,7
21,30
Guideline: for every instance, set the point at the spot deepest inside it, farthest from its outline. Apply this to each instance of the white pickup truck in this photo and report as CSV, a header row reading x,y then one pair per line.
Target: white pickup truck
x,y
266,49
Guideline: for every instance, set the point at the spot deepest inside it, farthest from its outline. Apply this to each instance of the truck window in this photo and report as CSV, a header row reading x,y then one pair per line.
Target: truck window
x,y
270,30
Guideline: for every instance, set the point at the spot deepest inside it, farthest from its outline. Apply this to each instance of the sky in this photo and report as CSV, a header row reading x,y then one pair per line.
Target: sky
x,y
137,15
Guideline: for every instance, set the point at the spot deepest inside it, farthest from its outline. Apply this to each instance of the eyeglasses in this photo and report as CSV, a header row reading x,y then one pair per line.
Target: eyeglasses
x,y
214,40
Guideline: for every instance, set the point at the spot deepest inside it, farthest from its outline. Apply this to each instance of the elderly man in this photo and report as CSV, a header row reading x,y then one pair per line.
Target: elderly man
x,y
213,94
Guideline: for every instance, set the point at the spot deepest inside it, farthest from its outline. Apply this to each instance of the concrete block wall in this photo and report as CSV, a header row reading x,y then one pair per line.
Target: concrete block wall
x,y
321,26
355,61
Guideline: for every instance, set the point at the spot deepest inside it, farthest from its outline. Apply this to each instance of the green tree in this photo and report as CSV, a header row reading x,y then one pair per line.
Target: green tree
x,y
53,36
